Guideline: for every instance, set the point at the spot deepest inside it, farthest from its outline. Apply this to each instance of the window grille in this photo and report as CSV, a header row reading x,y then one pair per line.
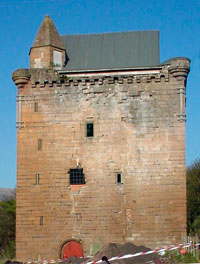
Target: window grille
x,y
77,176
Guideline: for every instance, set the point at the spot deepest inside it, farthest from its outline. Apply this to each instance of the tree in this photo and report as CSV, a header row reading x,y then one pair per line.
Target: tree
x,y
7,227
193,197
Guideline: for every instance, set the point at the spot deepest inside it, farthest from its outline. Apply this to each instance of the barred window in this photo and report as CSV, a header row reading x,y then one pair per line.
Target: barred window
x,y
77,176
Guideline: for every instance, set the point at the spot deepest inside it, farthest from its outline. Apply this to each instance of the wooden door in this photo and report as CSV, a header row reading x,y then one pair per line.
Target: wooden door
x,y
72,248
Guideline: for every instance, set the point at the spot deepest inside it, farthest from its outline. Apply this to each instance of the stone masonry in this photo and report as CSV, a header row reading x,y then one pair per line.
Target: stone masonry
x,y
139,133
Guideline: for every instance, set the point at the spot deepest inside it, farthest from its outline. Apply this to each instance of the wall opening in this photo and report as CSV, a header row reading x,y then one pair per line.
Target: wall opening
x,y
76,176
37,179
119,178
41,220
39,144
90,129
36,107
57,60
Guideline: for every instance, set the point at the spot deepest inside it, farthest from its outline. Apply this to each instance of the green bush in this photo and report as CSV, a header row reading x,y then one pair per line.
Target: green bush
x,y
193,197
195,226
186,258
7,230
177,257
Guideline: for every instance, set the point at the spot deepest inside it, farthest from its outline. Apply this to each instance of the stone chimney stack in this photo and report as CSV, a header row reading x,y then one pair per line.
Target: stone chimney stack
x,y
48,51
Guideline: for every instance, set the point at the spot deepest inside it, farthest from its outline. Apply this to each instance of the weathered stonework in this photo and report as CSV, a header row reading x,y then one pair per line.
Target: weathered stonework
x,y
139,131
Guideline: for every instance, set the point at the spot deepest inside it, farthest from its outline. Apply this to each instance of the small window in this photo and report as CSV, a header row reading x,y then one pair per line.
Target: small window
x,y
41,220
119,178
36,107
37,179
57,60
77,176
39,144
90,129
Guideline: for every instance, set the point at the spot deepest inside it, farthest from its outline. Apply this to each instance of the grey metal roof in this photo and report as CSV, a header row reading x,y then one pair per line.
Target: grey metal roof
x,y
112,50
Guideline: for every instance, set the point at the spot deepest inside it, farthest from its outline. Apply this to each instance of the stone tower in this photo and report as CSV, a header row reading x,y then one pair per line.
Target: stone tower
x,y
100,144
47,51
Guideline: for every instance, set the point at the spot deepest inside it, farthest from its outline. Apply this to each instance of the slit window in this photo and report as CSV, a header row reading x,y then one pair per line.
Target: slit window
x,y
90,129
119,178
36,107
77,176
39,144
41,221
37,179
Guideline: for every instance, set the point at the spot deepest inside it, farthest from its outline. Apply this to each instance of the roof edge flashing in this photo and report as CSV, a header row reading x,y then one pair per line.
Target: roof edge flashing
x,y
111,70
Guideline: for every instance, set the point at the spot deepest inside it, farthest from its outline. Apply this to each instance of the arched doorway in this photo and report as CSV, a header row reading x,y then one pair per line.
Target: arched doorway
x,y
71,248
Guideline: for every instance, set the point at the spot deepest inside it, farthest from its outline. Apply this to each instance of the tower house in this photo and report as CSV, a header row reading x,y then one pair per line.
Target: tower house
x,y
100,144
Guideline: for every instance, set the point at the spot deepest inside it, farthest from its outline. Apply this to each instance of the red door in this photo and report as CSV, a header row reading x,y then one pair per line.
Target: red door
x,y
72,248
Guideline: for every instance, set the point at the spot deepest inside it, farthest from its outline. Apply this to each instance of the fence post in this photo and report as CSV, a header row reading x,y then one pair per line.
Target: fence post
x,y
197,247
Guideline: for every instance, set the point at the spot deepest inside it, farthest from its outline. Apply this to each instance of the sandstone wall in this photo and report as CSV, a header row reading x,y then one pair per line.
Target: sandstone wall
x,y
139,131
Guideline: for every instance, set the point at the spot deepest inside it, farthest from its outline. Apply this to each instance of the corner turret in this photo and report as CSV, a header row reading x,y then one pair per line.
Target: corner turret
x,y
48,51
21,77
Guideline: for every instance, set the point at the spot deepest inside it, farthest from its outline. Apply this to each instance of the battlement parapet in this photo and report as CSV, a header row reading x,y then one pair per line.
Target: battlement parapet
x,y
42,77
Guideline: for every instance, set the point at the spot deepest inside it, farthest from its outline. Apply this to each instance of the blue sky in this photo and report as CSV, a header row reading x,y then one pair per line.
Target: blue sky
x,y
177,21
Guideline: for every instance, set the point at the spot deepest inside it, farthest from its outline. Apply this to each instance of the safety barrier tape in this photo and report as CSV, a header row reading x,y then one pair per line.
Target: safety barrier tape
x,y
161,250
169,248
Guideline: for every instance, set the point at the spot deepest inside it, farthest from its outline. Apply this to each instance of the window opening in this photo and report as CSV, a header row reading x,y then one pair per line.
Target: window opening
x,y
57,60
39,144
90,129
119,178
36,107
37,179
77,176
41,220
